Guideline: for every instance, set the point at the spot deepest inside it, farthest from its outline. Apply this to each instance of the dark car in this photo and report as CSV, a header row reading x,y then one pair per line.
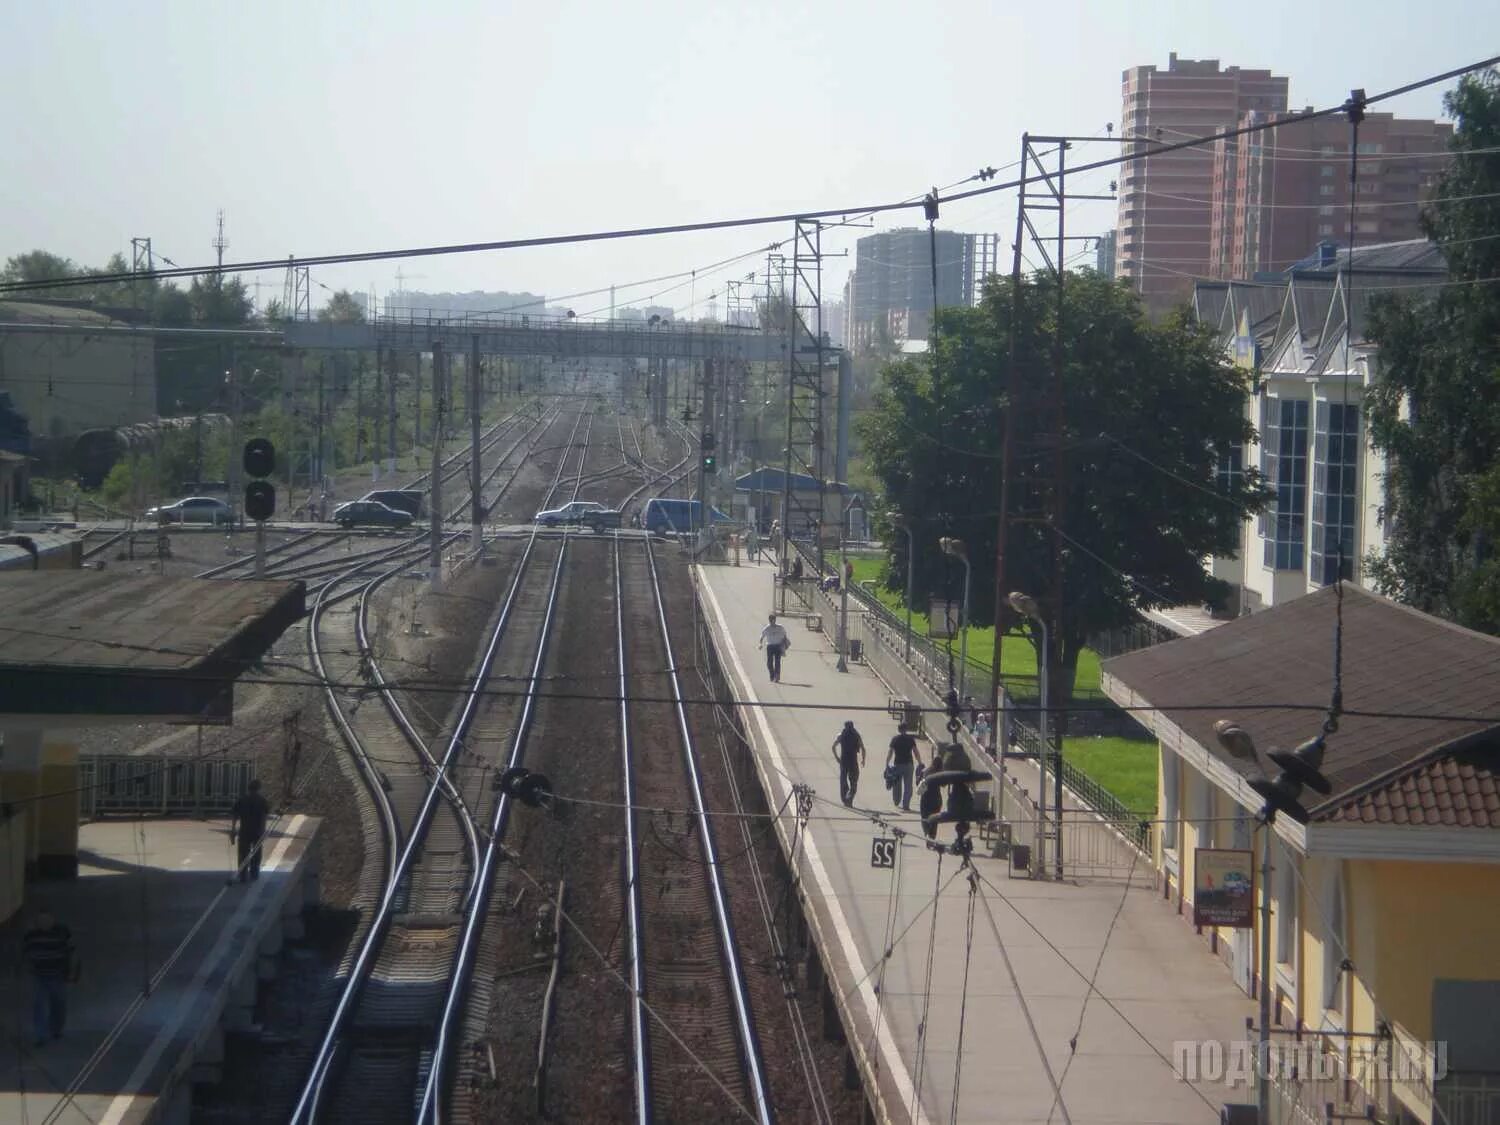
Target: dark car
x,y
369,513
581,513
402,499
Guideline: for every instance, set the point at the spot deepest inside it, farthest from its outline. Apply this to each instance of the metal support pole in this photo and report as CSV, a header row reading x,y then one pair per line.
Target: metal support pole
x,y
379,412
435,562
476,507
1059,457
391,392
260,548
911,570
963,635
1046,748
1263,994
843,664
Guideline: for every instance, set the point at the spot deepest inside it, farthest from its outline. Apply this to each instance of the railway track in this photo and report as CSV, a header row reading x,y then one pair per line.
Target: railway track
x,y
376,1054
693,1034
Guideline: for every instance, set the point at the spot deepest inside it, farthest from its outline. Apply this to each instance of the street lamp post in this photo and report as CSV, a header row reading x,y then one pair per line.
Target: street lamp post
x,y
1026,606
954,548
843,664
898,521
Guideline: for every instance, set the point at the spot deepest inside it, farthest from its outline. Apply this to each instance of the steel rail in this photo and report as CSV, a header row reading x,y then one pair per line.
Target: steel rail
x,y
248,560
309,1102
640,1036
432,1094
755,1077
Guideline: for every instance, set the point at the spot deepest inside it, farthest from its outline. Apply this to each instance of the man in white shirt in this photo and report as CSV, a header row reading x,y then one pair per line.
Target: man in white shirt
x,y
774,639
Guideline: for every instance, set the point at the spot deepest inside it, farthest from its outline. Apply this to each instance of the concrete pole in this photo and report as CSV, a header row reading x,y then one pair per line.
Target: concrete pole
x,y
1263,994
1046,748
390,354
476,505
435,562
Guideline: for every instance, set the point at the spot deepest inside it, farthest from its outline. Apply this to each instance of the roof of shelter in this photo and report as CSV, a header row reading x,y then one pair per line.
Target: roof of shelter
x,y
1429,690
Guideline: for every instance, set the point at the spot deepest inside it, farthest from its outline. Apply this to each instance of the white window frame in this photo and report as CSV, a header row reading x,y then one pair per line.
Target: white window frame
x,y
1285,874
1334,940
1171,786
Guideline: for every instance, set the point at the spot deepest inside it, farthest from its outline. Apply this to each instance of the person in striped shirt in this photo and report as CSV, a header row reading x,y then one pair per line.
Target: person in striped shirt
x,y
48,950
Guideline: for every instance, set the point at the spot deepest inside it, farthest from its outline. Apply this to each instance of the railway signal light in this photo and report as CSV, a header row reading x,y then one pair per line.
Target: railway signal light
x,y
260,500
259,457
710,463
708,440
259,460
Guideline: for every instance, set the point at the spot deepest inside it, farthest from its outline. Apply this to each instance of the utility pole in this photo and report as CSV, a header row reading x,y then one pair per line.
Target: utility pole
x,y
435,564
379,413
317,464
477,506
391,392
416,433
232,385
359,409
220,242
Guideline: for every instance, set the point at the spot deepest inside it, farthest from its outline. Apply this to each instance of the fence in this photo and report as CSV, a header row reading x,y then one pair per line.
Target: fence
x,y
124,783
1105,838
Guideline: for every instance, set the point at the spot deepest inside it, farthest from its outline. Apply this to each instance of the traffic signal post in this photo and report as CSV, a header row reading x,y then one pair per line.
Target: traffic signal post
x,y
259,460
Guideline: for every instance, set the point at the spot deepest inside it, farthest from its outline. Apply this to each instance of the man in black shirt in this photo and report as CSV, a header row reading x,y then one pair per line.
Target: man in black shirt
x,y
48,949
248,819
849,753
903,757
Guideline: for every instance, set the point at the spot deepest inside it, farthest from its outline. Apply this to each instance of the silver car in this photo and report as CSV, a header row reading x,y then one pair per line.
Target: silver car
x,y
192,509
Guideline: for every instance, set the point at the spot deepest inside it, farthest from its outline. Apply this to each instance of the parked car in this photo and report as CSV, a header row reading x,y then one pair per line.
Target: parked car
x,y
581,513
192,509
667,514
369,513
402,499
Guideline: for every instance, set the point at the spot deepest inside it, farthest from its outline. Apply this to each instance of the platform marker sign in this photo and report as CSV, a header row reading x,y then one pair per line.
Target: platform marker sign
x,y
883,851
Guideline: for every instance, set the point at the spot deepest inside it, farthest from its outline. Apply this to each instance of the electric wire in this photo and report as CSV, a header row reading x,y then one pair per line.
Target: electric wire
x,y
730,223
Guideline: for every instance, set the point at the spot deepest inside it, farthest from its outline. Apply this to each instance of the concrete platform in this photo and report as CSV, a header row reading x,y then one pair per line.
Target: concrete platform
x,y
1027,992
148,1016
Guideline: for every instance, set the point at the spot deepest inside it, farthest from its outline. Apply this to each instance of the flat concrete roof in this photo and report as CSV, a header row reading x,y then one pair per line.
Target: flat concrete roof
x,y
91,644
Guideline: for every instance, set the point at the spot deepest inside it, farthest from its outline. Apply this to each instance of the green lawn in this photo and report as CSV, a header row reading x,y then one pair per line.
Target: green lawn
x,y
1124,766
1018,657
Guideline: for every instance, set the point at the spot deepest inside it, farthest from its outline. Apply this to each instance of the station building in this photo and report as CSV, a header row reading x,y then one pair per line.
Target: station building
x,y
1384,938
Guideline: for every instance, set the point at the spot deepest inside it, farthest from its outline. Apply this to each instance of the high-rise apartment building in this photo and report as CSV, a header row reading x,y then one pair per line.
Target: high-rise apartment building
x,y
889,290
1279,192
1166,202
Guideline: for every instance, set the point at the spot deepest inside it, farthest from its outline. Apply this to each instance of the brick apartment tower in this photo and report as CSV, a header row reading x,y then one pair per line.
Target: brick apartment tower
x,y
1166,202
1279,193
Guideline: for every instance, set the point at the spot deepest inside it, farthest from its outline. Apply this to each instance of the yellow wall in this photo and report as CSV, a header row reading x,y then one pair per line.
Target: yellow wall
x,y
1434,921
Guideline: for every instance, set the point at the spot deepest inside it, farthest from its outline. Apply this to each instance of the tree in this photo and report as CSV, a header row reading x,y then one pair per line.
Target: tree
x,y
343,308
216,301
39,265
1434,404
1151,411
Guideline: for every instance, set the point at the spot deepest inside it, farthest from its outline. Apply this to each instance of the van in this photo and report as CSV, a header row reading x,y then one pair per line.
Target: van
x,y
408,500
678,515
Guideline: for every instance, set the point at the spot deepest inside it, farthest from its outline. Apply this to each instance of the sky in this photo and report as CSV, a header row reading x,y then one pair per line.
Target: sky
x,y
328,128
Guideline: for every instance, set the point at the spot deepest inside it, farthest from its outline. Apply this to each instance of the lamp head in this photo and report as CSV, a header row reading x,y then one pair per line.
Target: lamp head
x,y
1234,738
1025,605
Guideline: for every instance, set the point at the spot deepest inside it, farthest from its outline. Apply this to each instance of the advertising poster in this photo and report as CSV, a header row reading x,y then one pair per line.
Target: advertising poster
x,y
1223,888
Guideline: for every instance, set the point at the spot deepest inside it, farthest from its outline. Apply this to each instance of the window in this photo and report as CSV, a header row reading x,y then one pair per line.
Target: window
x,y
1371,146
1231,469
1325,228
1335,487
1286,904
1326,189
1333,944
1326,209
1326,171
1283,454
1170,767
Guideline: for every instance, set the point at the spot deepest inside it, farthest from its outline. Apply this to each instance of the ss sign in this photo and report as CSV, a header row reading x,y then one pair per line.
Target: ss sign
x,y
883,852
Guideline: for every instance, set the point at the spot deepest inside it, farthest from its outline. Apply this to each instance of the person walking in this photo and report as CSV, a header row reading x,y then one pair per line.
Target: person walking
x,y
849,753
774,639
48,951
248,821
752,544
903,756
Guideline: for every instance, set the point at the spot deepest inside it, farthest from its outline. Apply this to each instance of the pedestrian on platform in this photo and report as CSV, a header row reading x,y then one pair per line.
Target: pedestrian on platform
x,y
248,821
752,544
774,639
849,753
796,572
48,950
982,729
903,757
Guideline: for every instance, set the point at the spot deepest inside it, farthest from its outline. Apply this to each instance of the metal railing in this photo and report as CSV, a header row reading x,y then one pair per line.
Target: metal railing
x,y
126,783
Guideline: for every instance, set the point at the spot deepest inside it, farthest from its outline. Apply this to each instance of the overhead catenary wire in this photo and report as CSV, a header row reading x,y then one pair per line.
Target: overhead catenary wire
x,y
1145,153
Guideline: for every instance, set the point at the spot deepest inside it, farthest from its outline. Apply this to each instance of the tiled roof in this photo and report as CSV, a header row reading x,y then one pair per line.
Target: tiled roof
x,y
1435,686
1458,790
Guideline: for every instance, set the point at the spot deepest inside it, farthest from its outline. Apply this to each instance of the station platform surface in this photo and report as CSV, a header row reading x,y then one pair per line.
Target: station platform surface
x,y
150,999
1027,996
